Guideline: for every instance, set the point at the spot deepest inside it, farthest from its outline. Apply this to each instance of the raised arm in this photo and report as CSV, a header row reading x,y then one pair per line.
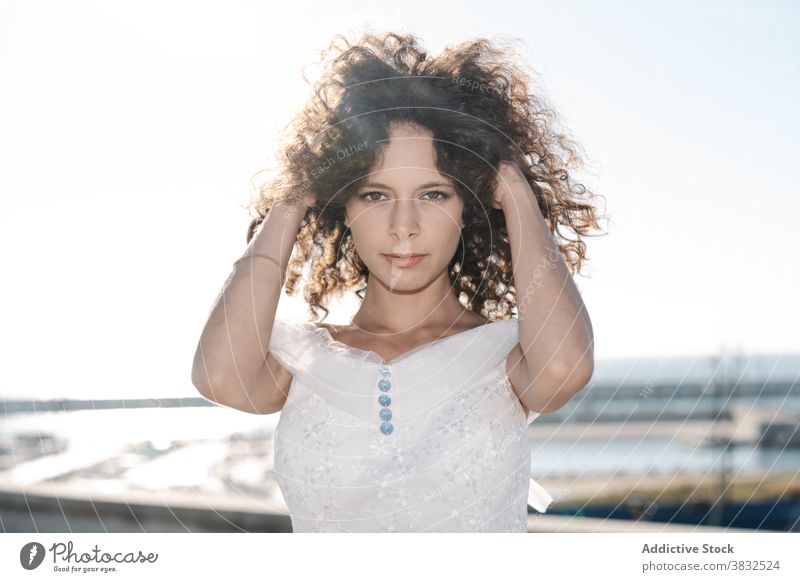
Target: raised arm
x,y
555,357
232,365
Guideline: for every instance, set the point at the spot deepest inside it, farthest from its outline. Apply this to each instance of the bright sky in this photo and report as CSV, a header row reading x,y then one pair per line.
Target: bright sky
x,y
130,133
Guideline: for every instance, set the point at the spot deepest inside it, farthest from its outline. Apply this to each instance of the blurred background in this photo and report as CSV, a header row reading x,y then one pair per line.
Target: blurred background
x,y
131,137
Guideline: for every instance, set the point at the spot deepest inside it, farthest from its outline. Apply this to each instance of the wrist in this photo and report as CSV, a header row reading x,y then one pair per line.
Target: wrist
x,y
291,207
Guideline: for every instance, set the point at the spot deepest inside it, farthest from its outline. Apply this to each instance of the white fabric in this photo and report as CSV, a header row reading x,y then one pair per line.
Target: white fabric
x,y
458,459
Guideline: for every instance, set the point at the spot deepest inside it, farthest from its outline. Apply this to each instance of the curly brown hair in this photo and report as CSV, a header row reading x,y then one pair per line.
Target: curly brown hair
x,y
475,99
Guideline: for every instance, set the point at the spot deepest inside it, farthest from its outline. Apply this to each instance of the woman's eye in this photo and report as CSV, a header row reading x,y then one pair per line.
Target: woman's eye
x,y
436,196
442,195
366,196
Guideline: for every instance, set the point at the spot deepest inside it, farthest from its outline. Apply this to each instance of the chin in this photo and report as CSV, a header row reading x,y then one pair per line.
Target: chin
x,y
401,280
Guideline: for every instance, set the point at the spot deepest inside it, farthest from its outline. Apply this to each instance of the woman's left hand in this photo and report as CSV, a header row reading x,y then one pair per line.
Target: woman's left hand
x,y
510,182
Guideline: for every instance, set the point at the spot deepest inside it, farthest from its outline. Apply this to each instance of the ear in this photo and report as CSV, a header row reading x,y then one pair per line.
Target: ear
x,y
346,220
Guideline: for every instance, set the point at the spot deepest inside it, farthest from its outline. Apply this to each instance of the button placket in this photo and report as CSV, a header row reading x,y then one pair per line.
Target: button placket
x,y
385,414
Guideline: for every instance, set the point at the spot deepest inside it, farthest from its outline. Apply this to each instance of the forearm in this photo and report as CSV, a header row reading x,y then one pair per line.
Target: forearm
x,y
555,331
235,339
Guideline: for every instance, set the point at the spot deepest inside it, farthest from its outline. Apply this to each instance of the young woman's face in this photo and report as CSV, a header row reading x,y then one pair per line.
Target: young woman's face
x,y
406,207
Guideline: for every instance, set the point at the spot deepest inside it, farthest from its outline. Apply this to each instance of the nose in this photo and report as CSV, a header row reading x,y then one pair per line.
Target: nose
x,y
403,219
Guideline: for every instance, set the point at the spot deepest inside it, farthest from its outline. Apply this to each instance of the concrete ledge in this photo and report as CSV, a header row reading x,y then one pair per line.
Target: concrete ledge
x,y
51,508
57,508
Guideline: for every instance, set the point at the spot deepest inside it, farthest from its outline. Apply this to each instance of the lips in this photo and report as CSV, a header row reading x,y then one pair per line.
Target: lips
x,y
404,260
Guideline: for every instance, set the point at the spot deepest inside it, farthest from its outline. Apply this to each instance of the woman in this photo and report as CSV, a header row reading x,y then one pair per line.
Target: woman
x,y
430,187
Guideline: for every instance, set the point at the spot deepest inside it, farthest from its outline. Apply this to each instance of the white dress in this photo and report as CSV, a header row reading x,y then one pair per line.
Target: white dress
x,y
433,441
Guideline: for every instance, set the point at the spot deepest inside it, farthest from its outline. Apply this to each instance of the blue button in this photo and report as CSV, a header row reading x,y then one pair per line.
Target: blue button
x,y
384,385
386,428
385,372
386,414
384,400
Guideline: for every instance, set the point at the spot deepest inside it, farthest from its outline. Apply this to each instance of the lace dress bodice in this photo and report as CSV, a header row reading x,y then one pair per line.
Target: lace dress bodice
x,y
433,441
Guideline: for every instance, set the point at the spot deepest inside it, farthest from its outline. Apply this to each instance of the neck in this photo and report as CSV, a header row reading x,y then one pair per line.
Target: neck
x,y
387,311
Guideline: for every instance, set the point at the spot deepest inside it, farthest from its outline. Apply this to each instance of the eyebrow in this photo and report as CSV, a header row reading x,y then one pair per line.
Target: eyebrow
x,y
422,187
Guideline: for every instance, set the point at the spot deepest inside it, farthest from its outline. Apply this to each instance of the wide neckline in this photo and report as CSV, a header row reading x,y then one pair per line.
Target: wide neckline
x,y
326,334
